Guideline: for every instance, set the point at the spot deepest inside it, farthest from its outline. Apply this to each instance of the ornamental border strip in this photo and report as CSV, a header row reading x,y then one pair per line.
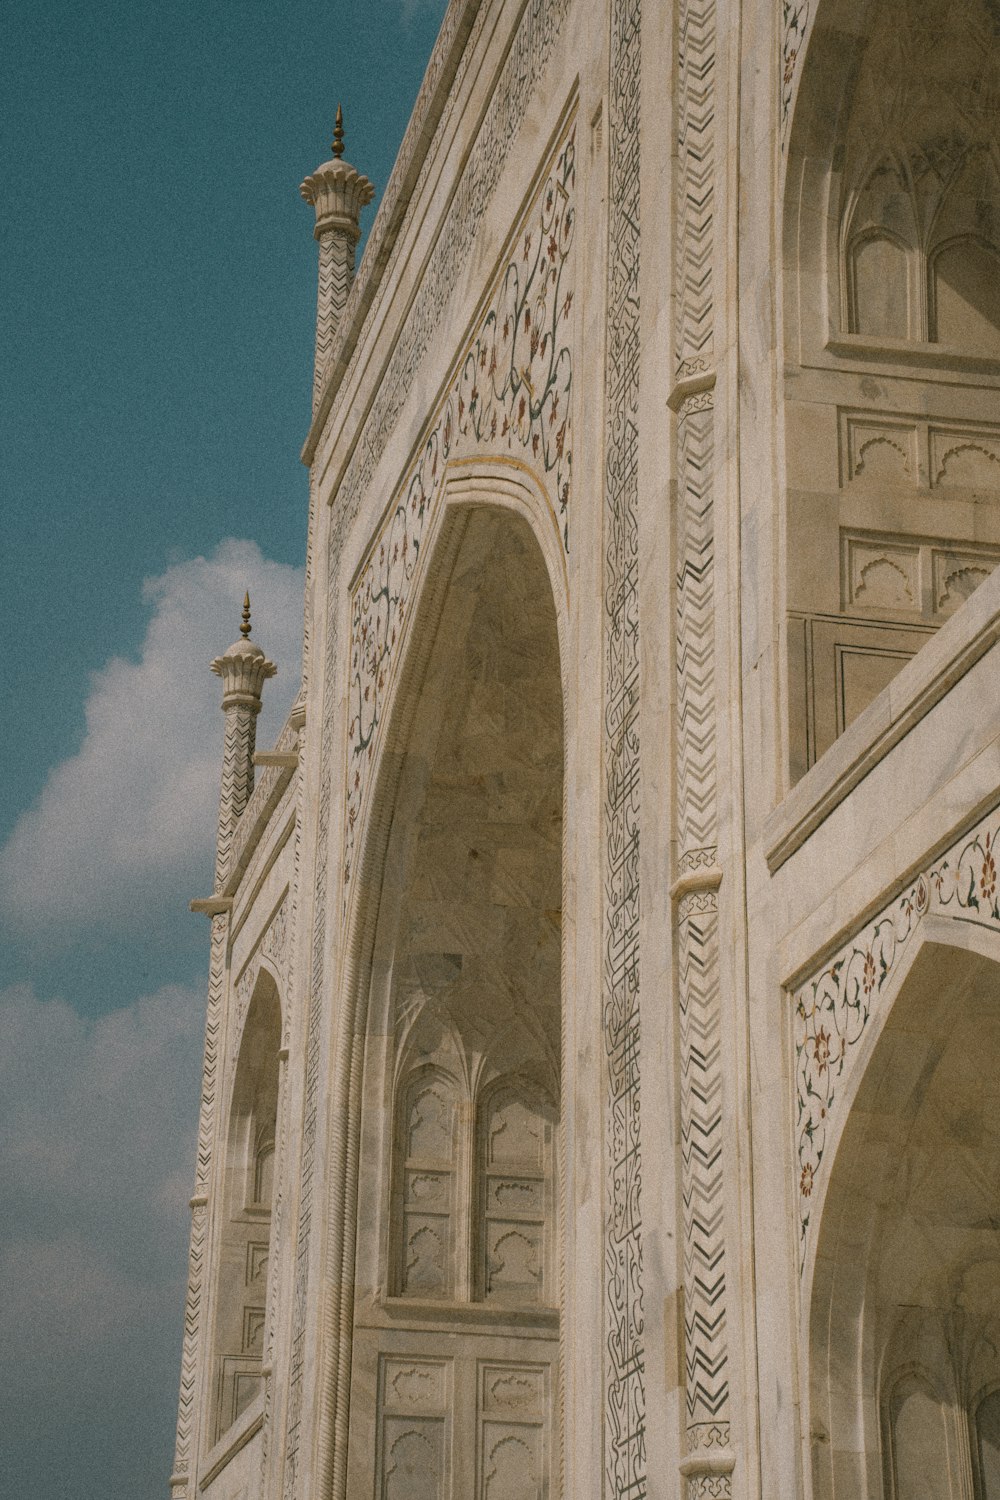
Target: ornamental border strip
x,y
834,1007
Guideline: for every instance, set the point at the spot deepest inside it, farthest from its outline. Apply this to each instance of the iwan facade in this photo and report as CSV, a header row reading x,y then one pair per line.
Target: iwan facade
x,y
602,1072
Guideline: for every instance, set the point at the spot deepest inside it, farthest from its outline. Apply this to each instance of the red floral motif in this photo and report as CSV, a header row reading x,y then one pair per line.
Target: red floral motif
x,y
821,1049
806,1180
868,973
988,874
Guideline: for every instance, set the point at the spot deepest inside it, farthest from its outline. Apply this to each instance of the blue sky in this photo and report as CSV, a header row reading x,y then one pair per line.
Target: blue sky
x,y
157,306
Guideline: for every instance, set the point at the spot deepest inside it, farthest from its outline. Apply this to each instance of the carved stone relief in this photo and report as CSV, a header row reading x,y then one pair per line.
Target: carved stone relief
x,y
625,1398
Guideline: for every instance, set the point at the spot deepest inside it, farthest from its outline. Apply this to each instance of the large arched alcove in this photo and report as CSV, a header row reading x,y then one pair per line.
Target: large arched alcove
x,y
247,1194
891,262
454,1355
904,1319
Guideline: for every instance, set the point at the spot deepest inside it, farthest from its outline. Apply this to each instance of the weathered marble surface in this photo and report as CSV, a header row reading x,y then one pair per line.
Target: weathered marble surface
x,y
601,1027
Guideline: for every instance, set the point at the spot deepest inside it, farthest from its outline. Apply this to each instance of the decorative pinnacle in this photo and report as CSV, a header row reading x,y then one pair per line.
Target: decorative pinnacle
x,y
245,627
337,191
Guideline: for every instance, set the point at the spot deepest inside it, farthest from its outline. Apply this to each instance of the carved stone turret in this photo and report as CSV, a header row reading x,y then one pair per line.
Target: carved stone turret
x,y
243,669
338,193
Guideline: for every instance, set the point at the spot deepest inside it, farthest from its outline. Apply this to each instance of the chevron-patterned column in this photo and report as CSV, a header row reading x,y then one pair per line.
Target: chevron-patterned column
x,y
707,1466
336,272
243,669
338,193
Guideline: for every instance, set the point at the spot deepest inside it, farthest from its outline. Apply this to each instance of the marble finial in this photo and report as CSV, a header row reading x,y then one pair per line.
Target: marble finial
x,y
337,191
243,668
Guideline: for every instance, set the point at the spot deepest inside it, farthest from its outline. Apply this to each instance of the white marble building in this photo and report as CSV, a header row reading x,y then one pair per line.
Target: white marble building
x,y
602,1068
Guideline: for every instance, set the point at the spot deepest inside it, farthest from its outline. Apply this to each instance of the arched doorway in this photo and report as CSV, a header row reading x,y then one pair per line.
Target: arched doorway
x,y
247,1194
455,1350
891,261
904,1351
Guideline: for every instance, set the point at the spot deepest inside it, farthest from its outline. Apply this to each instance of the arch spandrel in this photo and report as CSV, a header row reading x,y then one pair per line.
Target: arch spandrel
x,y
839,1012
466,485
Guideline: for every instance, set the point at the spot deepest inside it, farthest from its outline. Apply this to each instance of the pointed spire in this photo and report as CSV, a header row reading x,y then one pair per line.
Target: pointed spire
x,y
338,192
338,135
243,668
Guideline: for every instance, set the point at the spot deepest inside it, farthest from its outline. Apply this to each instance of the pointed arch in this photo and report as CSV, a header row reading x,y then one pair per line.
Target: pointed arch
x,y
441,942
246,1207
903,1287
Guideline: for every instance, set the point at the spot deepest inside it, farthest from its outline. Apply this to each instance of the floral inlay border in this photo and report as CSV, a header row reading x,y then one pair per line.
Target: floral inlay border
x,y
795,16
832,1010
511,394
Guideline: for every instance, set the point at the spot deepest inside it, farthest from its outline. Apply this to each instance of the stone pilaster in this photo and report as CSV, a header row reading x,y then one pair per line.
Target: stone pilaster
x,y
243,669
625,1476
708,1464
338,193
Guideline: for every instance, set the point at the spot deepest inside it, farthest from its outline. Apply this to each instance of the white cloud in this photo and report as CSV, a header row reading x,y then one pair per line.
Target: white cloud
x,y
411,9
98,1121
97,1131
130,819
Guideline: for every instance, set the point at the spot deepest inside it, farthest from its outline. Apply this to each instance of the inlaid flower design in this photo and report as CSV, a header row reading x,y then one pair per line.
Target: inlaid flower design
x,y
795,24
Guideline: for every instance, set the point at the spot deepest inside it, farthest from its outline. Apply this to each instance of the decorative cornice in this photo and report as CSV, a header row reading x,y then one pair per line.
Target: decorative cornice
x,y
212,906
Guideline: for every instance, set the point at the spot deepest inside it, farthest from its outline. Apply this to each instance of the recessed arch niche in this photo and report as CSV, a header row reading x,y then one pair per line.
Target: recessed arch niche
x,y
904,1312
247,1201
891,316
454,1359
